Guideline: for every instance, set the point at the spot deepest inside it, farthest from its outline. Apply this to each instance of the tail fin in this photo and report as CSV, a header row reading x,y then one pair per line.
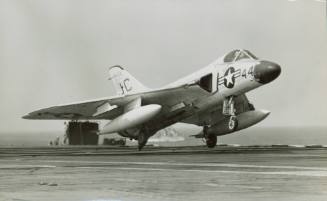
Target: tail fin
x,y
124,82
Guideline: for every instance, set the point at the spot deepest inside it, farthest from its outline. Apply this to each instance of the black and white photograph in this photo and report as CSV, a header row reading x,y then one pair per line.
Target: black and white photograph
x,y
163,100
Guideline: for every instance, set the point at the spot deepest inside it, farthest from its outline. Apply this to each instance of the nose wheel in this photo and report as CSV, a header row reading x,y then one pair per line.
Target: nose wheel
x,y
210,139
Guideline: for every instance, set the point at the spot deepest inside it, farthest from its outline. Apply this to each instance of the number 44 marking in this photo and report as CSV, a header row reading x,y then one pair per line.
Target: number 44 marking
x,y
248,72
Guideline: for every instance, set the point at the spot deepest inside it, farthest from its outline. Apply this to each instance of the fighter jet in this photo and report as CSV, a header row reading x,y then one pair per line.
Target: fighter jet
x,y
212,97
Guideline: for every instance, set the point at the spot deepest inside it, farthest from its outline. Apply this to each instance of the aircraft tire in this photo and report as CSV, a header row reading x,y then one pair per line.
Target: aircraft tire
x,y
211,141
142,140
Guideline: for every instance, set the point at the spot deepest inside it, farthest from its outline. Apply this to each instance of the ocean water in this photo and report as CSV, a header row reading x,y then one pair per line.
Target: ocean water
x,y
257,136
181,136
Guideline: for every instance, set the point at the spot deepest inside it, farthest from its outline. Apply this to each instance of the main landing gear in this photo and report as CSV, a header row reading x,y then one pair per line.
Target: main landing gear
x,y
143,137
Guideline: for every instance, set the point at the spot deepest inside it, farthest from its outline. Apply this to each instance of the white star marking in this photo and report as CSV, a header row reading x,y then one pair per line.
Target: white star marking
x,y
229,78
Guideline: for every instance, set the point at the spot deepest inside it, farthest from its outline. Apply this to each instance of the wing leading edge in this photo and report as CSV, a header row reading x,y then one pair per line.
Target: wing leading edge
x,y
110,107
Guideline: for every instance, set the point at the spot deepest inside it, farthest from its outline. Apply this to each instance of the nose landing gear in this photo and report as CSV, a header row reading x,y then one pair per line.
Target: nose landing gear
x,y
210,139
233,123
229,110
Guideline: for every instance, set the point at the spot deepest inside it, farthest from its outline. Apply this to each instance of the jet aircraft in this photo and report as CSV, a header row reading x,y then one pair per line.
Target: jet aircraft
x,y
213,97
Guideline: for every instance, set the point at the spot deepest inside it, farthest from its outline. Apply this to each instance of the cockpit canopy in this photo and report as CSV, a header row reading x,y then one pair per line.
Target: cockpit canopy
x,y
239,54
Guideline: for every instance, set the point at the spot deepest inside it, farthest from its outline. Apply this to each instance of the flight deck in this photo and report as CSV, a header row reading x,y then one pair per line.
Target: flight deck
x,y
227,172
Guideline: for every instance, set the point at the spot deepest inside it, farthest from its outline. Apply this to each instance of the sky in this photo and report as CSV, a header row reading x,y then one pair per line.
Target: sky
x,y
54,52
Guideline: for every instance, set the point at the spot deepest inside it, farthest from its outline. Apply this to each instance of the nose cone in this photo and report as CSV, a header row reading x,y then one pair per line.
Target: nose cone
x,y
266,72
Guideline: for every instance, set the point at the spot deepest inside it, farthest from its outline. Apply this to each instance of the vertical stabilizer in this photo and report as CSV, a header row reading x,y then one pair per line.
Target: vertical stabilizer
x,y
124,82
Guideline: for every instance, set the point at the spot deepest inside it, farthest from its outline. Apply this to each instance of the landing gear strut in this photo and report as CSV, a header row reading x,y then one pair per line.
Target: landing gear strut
x,y
143,137
211,140
229,110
